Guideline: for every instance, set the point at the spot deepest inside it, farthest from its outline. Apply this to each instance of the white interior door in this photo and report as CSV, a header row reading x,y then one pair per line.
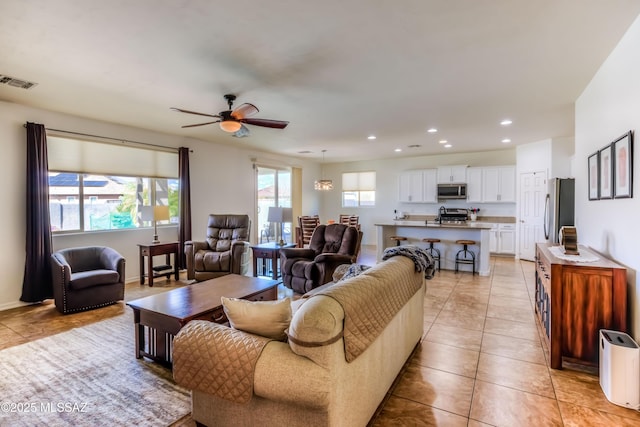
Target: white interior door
x,y
533,190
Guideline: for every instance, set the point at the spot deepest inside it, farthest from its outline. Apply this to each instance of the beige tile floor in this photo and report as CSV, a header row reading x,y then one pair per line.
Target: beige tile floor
x,y
481,361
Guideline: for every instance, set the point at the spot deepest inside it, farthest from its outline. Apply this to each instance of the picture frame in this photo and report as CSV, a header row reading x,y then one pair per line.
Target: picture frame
x,y
622,152
605,172
594,176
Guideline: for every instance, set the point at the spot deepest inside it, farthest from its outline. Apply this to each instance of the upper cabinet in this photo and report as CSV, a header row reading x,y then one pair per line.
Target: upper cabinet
x,y
499,184
474,185
430,191
418,186
452,174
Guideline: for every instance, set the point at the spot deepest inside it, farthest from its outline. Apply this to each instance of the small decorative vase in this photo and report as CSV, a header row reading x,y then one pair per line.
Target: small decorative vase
x,y
473,216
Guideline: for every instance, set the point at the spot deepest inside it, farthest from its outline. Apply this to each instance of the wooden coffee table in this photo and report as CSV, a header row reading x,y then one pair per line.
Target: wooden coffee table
x,y
158,318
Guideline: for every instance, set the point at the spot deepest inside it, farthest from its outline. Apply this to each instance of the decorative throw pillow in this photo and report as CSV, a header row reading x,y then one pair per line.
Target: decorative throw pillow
x,y
265,318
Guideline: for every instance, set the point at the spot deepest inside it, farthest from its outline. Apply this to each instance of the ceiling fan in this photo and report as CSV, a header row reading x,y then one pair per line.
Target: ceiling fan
x,y
232,121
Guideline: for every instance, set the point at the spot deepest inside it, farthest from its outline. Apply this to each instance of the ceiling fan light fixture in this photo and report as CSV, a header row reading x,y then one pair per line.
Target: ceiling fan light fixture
x,y
230,126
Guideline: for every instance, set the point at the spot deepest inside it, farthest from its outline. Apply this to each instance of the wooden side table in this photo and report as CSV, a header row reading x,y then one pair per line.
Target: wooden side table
x,y
152,249
268,253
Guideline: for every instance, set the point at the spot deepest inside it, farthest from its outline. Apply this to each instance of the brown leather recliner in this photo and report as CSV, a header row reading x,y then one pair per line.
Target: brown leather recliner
x,y
331,245
87,277
225,250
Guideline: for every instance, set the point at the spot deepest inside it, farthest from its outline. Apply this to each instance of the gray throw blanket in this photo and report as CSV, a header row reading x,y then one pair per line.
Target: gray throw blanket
x,y
420,257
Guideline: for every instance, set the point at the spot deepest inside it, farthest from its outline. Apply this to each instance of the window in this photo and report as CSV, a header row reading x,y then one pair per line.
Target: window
x,y
97,185
86,202
358,189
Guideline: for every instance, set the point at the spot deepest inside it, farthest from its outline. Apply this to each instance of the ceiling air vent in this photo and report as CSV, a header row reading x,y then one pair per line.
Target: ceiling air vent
x,y
12,81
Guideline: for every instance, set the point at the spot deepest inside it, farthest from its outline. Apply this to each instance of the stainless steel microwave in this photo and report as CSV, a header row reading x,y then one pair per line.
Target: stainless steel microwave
x,y
452,191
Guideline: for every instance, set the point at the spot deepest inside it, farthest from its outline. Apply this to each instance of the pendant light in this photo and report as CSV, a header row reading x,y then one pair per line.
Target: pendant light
x,y
323,184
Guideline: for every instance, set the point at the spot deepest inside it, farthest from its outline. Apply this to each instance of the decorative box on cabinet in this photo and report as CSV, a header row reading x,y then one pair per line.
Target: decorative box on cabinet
x,y
574,300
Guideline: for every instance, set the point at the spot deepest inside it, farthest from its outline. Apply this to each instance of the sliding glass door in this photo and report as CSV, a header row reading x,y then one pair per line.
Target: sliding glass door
x,y
273,187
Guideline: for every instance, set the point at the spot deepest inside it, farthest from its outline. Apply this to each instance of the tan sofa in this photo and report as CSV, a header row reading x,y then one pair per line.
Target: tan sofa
x,y
330,372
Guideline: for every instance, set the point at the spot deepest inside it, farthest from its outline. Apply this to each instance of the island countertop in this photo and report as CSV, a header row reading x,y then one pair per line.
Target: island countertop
x,y
416,230
435,224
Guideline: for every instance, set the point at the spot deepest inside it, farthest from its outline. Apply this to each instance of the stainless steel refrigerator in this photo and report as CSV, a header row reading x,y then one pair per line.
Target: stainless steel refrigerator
x,y
559,207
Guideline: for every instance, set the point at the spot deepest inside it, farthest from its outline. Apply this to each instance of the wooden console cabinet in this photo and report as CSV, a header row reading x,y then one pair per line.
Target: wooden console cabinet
x,y
574,300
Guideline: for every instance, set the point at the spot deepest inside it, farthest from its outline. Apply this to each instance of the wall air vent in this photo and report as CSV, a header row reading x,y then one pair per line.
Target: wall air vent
x,y
12,81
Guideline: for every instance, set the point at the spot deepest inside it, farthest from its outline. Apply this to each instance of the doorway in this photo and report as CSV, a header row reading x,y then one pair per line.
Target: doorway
x,y
273,189
533,191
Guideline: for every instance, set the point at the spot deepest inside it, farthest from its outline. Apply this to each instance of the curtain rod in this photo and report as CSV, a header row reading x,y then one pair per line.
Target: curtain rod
x,y
110,138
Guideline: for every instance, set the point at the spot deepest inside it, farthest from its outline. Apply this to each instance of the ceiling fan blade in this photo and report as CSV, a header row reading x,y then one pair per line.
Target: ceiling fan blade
x,y
244,131
276,124
180,110
201,124
245,110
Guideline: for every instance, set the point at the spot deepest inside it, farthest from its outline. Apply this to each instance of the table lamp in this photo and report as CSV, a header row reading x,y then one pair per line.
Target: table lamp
x,y
280,215
155,214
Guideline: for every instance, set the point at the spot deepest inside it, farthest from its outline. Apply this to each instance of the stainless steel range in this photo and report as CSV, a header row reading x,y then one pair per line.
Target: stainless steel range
x,y
452,215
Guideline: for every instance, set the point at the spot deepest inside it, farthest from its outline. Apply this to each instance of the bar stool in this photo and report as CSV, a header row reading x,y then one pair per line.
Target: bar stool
x,y
435,252
398,239
464,255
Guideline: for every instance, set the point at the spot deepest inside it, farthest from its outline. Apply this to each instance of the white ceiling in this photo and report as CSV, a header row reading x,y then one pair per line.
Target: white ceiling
x,y
337,70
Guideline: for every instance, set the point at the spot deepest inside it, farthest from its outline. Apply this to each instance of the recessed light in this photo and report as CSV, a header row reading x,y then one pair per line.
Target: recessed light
x,y
506,122
432,130
506,141
371,137
448,146
397,150
443,141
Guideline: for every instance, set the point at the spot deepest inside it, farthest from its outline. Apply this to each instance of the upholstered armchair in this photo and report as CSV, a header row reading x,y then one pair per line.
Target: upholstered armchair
x,y
225,249
87,277
331,245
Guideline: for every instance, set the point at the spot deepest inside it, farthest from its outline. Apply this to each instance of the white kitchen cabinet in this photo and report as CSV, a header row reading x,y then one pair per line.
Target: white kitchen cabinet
x,y
429,186
452,174
417,186
410,187
493,238
507,238
499,184
474,185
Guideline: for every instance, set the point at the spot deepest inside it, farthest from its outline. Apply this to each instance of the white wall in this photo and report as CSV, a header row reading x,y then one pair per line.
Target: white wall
x,y
222,181
609,107
387,172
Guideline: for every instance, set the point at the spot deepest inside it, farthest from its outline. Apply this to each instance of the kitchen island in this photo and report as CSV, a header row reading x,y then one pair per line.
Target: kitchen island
x,y
415,231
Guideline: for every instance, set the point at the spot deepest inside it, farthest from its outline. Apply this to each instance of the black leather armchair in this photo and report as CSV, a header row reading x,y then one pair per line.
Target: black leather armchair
x,y
331,245
225,250
87,277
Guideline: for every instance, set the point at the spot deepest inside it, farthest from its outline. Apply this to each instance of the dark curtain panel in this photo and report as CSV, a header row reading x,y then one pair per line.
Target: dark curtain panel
x,y
184,231
36,285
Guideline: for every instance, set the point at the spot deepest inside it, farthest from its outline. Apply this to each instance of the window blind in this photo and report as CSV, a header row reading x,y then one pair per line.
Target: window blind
x,y
359,181
76,155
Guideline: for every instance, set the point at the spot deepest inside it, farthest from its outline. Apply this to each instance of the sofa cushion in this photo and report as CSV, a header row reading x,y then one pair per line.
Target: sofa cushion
x,y
265,318
88,279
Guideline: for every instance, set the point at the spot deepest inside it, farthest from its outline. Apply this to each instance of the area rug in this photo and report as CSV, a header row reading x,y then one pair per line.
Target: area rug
x,y
87,376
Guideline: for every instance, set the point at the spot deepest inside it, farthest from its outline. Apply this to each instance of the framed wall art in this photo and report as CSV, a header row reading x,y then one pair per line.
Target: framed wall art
x,y
622,152
593,176
605,168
